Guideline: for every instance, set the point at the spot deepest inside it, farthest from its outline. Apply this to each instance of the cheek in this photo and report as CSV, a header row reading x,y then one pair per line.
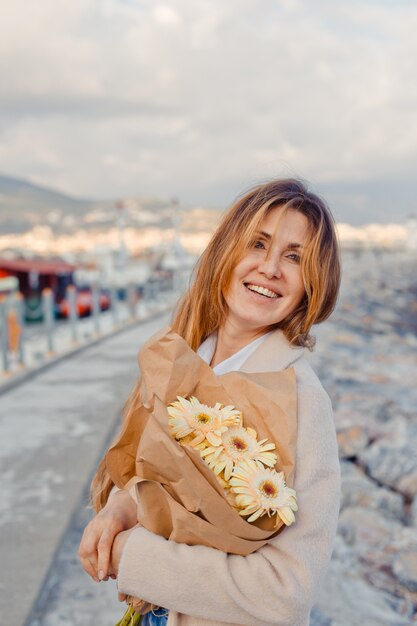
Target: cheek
x,y
232,293
239,272
299,289
242,269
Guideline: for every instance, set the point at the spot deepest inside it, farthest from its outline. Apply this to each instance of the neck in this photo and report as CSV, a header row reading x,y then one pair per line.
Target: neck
x,y
231,338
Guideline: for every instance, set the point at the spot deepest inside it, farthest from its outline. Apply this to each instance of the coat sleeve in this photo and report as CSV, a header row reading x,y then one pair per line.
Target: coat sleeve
x,y
278,583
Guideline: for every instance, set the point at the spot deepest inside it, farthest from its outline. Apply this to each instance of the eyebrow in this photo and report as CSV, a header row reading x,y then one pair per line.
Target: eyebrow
x,y
291,246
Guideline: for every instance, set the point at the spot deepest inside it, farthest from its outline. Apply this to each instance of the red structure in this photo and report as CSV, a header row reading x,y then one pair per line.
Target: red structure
x,y
34,275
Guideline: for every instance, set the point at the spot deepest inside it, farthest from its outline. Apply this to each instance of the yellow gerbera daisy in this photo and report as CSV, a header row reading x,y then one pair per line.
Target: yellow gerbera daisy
x,y
238,444
230,495
188,417
263,490
187,441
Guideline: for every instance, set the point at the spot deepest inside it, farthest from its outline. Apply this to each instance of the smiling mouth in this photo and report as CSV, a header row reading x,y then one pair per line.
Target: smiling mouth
x,y
262,291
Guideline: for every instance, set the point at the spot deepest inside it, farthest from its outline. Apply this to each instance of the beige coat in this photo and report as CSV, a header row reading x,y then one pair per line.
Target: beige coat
x,y
278,583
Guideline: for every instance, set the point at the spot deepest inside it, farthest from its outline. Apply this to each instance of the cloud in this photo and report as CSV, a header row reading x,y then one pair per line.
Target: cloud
x,y
199,98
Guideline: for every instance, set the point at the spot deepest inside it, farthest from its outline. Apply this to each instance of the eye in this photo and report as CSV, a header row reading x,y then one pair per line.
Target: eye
x,y
258,244
293,256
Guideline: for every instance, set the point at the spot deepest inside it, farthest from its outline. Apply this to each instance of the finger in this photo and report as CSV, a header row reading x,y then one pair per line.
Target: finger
x,y
91,559
93,563
89,546
104,549
91,556
122,597
89,541
88,567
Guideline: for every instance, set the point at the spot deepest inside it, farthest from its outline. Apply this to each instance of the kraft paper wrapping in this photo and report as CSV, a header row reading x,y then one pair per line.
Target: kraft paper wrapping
x,y
178,495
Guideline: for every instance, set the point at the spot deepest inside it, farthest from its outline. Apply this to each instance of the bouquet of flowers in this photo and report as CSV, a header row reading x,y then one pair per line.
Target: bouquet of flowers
x,y
189,450
242,464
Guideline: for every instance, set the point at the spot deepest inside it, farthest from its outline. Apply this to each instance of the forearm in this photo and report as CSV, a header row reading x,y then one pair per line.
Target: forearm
x,y
204,582
276,584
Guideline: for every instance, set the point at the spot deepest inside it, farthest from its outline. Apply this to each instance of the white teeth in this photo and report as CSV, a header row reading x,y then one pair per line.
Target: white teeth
x,y
263,291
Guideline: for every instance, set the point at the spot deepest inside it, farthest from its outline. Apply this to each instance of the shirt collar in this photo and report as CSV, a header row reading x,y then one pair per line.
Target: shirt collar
x,y
274,354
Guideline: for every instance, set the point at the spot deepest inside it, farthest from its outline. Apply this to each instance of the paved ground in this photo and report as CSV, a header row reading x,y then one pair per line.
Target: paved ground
x,y
53,430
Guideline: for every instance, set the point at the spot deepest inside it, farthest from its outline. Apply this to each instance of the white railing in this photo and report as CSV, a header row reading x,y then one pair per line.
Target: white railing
x,y
27,347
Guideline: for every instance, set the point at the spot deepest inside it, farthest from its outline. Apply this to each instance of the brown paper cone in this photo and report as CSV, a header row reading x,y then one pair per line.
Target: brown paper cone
x,y
179,496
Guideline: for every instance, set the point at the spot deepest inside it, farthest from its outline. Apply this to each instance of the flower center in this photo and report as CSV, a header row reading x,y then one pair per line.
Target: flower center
x,y
268,489
203,418
239,444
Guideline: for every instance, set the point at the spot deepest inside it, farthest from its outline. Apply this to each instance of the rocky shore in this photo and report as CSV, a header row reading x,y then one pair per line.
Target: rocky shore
x,y
366,357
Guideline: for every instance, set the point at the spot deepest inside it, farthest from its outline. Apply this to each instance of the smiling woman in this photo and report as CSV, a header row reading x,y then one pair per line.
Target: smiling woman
x,y
270,271
267,284
278,236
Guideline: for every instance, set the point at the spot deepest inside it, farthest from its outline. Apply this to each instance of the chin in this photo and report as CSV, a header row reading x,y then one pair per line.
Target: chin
x,y
257,324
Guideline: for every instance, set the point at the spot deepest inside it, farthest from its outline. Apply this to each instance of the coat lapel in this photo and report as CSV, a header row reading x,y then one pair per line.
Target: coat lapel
x,y
274,354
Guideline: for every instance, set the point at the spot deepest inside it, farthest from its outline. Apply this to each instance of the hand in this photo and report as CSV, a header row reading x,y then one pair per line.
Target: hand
x,y
118,515
117,549
116,553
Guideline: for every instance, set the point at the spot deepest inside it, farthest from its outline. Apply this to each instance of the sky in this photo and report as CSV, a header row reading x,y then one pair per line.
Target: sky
x,y
200,99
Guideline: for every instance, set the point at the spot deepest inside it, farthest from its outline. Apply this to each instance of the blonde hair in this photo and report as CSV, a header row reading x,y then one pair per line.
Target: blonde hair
x,y
203,308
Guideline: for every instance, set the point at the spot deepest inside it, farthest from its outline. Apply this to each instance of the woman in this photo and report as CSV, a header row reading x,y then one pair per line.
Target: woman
x,y
269,273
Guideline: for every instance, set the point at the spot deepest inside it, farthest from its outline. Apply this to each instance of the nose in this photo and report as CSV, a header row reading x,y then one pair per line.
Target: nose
x,y
270,267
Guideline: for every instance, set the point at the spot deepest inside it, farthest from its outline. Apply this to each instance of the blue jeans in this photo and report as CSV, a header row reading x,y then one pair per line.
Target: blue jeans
x,y
157,617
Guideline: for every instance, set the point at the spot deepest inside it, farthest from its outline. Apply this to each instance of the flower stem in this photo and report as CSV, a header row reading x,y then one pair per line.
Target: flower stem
x,y
130,618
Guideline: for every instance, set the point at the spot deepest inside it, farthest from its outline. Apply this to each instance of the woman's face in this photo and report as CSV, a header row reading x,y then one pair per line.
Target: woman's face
x,y
266,285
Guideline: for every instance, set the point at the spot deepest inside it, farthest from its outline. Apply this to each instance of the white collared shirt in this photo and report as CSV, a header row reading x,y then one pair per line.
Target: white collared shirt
x,y
234,362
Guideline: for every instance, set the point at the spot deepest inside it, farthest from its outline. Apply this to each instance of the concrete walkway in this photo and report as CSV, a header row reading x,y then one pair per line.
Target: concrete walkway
x,y
53,430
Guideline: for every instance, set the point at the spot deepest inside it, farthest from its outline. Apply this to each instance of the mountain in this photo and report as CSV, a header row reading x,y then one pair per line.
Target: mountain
x,y
19,191
24,205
